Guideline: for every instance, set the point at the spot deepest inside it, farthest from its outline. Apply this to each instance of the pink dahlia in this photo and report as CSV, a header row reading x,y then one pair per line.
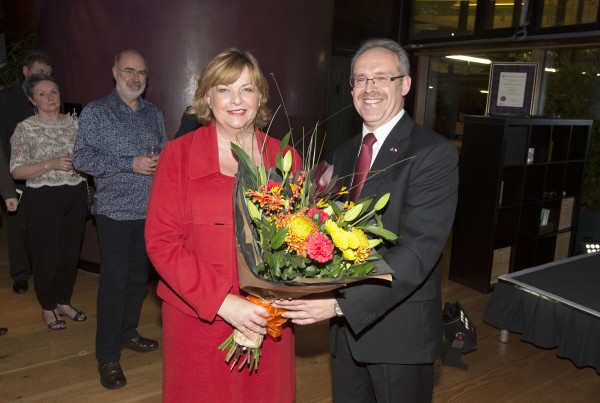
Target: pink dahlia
x,y
319,247
314,211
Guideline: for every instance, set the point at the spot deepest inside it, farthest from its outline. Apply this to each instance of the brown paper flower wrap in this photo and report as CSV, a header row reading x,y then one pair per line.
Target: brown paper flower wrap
x,y
292,240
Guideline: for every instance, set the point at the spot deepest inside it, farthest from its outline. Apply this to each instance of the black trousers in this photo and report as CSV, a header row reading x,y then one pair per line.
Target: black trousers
x,y
382,383
55,222
18,250
124,274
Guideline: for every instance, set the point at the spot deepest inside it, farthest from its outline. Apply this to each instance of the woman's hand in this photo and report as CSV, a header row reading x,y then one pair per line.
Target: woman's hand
x,y
12,204
244,315
61,164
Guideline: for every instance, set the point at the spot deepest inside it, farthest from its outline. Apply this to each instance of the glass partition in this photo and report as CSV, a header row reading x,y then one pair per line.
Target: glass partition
x,y
458,87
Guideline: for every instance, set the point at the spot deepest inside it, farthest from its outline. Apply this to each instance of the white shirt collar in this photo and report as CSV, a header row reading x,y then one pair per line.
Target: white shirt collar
x,y
381,133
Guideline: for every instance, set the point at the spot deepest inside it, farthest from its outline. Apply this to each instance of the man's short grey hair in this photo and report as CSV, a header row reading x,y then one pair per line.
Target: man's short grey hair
x,y
388,44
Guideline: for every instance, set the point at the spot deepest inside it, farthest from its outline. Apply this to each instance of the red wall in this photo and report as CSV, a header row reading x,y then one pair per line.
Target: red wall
x,y
291,39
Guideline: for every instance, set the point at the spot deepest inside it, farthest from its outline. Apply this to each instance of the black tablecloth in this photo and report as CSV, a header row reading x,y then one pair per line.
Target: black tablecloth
x,y
553,305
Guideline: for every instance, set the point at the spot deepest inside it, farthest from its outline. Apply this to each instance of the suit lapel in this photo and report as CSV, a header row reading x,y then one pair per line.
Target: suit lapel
x,y
394,149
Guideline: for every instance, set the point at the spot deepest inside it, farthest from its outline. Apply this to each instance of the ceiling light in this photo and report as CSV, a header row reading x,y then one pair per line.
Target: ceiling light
x,y
470,59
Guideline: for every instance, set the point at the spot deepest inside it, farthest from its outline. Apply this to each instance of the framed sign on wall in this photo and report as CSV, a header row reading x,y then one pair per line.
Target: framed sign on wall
x,y
511,89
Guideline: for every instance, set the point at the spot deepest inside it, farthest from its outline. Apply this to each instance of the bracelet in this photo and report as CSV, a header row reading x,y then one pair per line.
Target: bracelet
x,y
46,165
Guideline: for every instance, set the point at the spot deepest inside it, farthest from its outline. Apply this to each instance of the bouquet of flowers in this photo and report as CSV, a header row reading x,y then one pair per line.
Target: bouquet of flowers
x,y
294,239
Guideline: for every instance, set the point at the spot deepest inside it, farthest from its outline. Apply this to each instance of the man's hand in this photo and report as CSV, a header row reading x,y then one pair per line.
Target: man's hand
x,y
12,204
311,309
145,165
244,315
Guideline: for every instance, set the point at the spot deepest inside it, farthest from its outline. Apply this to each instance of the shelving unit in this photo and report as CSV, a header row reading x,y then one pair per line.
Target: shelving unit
x,y
520,188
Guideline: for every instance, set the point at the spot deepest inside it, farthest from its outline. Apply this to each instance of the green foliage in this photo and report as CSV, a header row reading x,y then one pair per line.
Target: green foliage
x,y
12,72
570,94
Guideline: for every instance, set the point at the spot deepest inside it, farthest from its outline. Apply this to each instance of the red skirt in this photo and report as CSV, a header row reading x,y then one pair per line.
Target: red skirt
x,y
194,370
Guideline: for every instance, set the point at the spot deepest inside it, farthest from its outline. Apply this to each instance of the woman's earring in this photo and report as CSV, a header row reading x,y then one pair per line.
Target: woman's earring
x,y
35,109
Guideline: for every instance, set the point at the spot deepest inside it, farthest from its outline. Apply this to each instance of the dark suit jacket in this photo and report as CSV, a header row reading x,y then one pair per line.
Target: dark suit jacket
x,y
14,108
400,322
189,123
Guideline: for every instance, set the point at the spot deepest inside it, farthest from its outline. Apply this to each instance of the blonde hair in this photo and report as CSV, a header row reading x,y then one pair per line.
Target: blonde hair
x,y
224,69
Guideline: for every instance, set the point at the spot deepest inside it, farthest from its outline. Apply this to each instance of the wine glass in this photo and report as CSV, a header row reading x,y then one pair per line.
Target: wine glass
x,y
152,150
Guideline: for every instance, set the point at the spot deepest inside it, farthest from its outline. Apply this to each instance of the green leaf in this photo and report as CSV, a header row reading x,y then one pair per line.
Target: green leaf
x,y
378,220
381,232
247,161
311,271
279,162
297,262
279,237
382,202
285,141
335,208
353,213
289,274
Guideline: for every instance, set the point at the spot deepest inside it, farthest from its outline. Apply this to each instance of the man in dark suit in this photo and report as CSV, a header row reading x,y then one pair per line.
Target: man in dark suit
x,y
189,123
385,337
14,108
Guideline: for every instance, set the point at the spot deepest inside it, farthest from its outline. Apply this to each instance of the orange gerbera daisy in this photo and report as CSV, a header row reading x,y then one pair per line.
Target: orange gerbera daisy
x,y
274,201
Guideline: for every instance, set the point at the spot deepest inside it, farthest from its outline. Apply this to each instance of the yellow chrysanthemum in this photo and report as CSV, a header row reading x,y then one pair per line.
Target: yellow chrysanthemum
x,y
338,236
300,227
349,254
354,244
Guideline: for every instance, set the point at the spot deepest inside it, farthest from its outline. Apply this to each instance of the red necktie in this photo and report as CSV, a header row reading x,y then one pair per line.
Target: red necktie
x,y
363,165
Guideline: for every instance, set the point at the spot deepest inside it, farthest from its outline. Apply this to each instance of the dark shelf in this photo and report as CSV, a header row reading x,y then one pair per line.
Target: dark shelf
x,y
520,186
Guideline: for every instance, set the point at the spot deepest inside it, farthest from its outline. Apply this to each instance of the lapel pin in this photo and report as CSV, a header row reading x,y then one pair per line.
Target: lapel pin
x,y
394,150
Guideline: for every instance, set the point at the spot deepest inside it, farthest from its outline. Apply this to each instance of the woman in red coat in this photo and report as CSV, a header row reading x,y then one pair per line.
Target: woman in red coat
x,y
191,242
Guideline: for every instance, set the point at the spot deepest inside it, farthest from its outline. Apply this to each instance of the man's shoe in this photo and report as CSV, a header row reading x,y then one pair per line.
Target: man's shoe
x,y
20,287
140,344
111,375
3,330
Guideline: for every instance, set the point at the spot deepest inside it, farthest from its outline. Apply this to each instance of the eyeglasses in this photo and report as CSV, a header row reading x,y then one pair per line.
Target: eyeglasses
x,y
129,72
378,81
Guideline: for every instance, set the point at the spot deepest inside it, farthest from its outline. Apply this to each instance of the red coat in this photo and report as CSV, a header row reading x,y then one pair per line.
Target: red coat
x,y
191,242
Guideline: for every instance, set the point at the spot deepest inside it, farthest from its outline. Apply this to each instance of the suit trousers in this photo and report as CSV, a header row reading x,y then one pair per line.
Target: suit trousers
x,y
124,272
18,250
55,222
382,383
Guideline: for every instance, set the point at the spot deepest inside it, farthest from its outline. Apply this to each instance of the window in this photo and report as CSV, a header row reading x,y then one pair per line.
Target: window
x,y
571,83
503,14
457,87
557,13
443,18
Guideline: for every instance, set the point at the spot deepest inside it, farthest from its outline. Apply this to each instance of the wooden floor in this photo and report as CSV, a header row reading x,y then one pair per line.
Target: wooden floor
x,y
40,365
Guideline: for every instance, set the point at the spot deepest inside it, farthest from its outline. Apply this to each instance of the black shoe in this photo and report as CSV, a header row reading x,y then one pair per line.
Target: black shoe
x,y
3,330
111,375
140,344
20,287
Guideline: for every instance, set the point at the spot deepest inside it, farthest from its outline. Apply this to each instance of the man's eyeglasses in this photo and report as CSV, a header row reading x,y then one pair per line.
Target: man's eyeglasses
x,y
129,72
378,81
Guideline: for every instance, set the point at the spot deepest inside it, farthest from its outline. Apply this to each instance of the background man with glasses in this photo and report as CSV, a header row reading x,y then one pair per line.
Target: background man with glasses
x,y
114,143
385,337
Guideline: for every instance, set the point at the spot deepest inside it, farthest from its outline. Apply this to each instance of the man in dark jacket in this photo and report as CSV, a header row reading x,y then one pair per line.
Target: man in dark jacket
x,y
14,108
385,337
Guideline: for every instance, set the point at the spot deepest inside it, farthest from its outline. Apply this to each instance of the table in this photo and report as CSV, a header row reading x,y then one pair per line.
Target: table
x,y
553,305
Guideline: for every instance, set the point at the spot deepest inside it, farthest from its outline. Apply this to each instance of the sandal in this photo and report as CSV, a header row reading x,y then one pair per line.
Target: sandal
x,y
79,316
57,322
